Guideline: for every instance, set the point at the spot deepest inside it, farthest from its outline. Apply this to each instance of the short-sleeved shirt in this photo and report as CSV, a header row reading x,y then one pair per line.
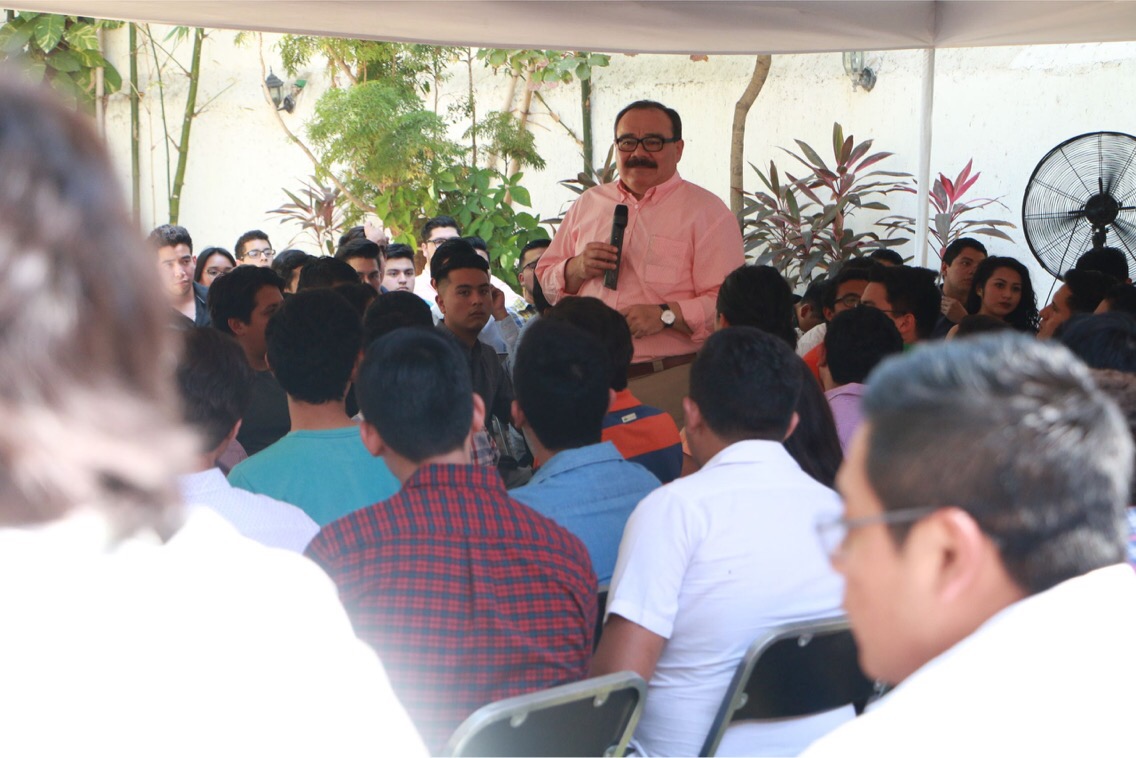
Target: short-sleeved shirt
x,y
644,435
711,561
467,595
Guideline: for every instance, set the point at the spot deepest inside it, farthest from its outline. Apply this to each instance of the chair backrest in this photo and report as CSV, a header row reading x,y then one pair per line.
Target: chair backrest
x,y
794,670
594,717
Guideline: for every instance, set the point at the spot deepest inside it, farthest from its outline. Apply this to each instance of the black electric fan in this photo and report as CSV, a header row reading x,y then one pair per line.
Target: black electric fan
x,y
1082,195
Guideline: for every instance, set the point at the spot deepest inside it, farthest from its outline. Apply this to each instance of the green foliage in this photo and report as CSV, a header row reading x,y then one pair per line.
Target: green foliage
x,y
61,50
503,135
800,225
547,68
948,211
414,67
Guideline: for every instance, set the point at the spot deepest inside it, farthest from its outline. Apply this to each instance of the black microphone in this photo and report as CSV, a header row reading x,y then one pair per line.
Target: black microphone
x,y
618,224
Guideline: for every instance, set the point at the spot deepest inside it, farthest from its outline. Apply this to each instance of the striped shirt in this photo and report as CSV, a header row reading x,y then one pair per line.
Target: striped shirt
x,y
644,435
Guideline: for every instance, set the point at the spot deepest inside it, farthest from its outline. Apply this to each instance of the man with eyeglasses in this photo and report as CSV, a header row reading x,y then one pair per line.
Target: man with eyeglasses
x,y
679,244
526,271
909,296
983,548
254,249
176,261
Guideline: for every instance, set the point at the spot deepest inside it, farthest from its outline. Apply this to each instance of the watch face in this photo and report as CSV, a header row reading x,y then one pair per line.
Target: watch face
x,y
668,317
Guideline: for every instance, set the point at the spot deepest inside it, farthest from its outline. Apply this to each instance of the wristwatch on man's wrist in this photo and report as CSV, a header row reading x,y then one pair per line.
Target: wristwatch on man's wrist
x,y
667,316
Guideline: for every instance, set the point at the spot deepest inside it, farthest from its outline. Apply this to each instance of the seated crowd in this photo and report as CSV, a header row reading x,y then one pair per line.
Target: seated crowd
x,y
471,468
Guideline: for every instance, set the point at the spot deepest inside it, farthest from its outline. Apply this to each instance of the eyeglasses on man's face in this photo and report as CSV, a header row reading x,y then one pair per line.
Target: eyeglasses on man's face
x,y
266,254
834,533
651,143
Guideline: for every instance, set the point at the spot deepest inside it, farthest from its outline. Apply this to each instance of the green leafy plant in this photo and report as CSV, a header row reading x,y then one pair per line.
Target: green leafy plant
x,y
802,225
317,209
947,222
62,51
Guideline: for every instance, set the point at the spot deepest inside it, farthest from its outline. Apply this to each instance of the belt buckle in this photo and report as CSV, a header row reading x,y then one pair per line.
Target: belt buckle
x,y
657,366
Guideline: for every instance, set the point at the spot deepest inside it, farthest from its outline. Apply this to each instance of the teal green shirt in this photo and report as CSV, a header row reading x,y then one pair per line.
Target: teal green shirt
x,y
326,473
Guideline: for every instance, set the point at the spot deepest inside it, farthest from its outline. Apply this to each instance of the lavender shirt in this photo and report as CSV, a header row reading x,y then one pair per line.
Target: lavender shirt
x,y
845,403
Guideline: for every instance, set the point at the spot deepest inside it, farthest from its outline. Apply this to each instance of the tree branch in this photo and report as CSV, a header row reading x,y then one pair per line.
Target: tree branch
x,y
737,132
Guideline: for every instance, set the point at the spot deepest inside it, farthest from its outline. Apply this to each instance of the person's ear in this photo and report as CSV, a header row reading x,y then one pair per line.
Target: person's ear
x,y
519,419
237,327
720,322
693,413
478,422
372,440
943,270
907,324
953,553
793,421
829,313
611,398
678,150
979,291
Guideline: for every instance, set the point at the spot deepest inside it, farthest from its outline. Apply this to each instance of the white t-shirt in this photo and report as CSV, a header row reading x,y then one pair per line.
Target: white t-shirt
x,y
811,339
710,562
1049,675
210,644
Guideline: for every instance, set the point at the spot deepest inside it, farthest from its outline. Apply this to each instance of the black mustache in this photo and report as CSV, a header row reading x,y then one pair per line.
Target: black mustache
x,y
638,162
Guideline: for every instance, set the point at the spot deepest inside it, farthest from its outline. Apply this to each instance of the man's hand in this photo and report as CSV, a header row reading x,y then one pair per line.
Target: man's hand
x,y
597,259
952,309
644,320
499,312
374,230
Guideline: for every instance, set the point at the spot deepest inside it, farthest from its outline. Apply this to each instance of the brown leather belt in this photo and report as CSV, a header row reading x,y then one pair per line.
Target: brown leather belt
x,y
636,370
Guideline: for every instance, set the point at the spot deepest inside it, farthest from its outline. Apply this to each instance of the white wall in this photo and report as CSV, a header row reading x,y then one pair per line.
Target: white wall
x,y
1003,107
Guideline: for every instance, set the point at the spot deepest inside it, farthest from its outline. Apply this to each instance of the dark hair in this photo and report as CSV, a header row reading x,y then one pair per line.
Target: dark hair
x,y
249,236
288,261
639,105
962,243
357,294
452,255
979,324
815,443
205,255
322,271
234,294
1120,386
1087,288
911,289
428,373
533,245
1024,318
884,255
745,384
395,310
87,399
561,382
850,272
399,250
1106,260
814,293
313,343
359,248
215,382
478,243
354,233
857,340
758,296
168,235
605,324
540,302
1105,340
438,222
1040,458
1122,298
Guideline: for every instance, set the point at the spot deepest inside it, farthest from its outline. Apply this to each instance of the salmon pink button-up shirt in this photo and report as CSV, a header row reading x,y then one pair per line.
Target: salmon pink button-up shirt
x,y
680,243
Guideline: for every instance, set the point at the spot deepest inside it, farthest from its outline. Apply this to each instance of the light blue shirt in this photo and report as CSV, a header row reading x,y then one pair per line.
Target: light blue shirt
x,y
590,491
326,473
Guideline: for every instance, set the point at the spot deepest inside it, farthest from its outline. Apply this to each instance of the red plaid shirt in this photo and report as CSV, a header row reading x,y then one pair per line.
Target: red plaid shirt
x,y
467,595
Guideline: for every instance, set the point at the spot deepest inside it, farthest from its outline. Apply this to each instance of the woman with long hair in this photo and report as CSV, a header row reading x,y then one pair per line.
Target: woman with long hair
x,y
1002,289
212,263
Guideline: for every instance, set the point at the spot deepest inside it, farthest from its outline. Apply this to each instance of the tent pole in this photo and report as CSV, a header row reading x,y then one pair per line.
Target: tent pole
x,y
925,118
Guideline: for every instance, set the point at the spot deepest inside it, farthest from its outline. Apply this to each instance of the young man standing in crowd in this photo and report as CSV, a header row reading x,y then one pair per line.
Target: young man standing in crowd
x,y
176,261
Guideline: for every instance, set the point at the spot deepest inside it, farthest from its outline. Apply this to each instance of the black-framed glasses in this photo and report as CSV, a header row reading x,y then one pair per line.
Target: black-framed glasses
x,y
851,300
528,267
652,144
267,254
834,532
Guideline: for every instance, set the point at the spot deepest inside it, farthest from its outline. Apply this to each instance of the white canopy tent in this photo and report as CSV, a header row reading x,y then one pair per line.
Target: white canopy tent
x,y
681,27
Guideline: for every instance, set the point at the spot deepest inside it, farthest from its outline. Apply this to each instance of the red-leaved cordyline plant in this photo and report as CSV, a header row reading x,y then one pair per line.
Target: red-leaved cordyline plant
x,y
947,223
802,224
